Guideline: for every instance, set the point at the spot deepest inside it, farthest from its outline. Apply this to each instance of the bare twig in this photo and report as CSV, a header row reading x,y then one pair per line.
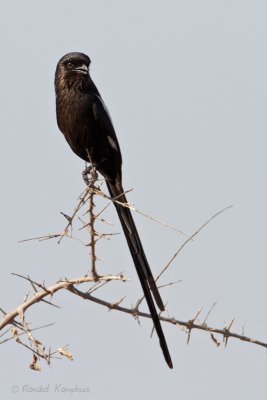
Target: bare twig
x,y
23,333
183,245
190,238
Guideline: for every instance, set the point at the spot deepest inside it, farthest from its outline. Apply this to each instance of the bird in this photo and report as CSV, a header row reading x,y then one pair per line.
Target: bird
x,y
86,124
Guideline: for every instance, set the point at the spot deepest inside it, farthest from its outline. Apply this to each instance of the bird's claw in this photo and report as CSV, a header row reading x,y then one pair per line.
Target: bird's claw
x,y
90,175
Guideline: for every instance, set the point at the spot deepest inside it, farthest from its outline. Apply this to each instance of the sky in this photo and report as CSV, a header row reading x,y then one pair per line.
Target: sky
x,y
185,83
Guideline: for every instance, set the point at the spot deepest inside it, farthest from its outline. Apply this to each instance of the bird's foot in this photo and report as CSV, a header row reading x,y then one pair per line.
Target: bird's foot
x,y
90,175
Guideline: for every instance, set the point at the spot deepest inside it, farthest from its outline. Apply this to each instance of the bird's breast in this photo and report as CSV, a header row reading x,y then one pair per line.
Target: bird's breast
x,y
73,118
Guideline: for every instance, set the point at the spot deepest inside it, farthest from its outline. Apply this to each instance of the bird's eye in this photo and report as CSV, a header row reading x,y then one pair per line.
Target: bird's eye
x,y
70,65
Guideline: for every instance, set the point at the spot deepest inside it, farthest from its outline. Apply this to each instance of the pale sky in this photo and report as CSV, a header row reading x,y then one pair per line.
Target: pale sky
x,y
185,83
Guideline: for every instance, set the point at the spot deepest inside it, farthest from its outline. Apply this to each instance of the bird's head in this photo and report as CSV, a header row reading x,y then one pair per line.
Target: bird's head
x,y
72,66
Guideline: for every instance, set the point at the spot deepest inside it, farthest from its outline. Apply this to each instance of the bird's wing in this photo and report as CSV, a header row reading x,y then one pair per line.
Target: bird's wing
x,y
103,118
107,154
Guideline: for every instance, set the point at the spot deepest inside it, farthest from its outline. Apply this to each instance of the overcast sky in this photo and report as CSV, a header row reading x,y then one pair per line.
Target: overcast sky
x,y
185,83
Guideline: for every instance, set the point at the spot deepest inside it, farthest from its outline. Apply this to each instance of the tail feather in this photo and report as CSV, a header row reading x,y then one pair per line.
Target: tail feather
x,y
141,264
134,241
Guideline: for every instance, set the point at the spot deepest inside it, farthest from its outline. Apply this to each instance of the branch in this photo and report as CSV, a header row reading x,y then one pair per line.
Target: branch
x,y
50,291
189,325
69,285
41,292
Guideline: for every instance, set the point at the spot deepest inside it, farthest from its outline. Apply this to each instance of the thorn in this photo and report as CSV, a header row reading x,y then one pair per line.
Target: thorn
x,y
68,218
227,332
208,314
190,324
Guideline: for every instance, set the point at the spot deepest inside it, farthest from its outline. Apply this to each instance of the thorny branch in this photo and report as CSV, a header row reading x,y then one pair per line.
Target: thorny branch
x,y
15,323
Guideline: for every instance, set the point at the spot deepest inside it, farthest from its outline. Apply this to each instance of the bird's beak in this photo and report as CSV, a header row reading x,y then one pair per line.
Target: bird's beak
x,y
83,69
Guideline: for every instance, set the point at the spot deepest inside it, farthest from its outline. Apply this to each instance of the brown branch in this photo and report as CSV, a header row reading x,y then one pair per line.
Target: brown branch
x,y
50,291
69,285
92,233
189,325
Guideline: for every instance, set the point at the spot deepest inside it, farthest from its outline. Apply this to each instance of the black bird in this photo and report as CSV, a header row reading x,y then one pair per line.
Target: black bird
x,y
84,120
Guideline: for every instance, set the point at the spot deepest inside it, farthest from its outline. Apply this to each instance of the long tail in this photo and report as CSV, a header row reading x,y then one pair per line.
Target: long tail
x,y
141,264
